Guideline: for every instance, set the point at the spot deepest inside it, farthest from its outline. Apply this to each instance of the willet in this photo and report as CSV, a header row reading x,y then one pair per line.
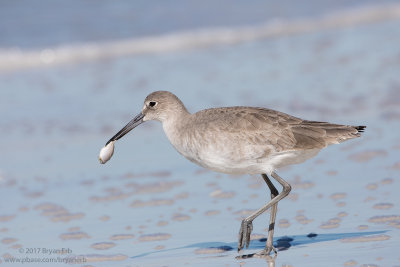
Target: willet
x,y
240,140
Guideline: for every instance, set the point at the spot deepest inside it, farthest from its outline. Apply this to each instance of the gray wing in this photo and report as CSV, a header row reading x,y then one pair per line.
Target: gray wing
x,y
257,126
278,130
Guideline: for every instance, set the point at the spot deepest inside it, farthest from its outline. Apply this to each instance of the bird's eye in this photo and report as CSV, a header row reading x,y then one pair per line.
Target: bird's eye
x,y
152,103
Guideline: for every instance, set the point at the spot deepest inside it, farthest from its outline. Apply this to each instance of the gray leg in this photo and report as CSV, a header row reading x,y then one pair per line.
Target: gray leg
x,y
247,225
274,192
269,244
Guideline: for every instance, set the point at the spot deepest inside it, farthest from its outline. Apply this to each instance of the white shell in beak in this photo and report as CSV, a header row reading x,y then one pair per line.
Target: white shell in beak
x,y
106,152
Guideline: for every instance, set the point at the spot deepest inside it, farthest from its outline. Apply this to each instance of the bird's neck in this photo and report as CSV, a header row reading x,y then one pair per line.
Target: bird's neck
x,y
176,119
174,125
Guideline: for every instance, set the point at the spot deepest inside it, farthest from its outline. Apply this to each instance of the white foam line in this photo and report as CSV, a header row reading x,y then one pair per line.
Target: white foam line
x,y
14,59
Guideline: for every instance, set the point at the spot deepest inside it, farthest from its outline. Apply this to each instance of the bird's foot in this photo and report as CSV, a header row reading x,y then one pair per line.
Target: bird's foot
x,y
260,255
244,234
267,251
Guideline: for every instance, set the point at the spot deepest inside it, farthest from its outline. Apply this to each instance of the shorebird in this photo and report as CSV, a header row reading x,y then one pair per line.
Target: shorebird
x,y
240,140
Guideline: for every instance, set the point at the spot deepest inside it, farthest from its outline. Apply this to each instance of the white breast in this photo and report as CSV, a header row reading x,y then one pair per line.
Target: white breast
x,y
216,155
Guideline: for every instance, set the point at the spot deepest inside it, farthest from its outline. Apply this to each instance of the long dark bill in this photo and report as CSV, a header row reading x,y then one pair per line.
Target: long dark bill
x,y
130,126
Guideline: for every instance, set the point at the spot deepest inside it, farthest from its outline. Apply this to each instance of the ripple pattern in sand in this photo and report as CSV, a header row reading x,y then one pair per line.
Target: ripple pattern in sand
x,y
180,217
152,203
74,235
222,194
331,223
383,206
8,240
212,212
154,237
368,155
362,239
6,218
103,245
216,250
302,219
58,213
283,223
384,218
337,196
122,236
157,187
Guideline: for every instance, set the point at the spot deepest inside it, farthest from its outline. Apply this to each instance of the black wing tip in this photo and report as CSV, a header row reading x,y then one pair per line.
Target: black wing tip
x,y
360,129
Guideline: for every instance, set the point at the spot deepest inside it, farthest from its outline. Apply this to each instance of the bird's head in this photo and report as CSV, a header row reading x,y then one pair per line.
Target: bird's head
x,y
160,106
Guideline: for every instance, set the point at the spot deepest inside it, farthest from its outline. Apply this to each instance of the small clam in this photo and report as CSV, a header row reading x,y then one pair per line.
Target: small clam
x,y
106,152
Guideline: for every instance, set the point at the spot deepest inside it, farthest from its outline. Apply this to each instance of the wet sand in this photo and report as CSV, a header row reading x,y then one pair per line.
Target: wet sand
x,y
148,206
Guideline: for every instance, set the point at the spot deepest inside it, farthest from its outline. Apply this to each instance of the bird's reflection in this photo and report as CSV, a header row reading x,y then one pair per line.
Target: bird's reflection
x,y
269,259
281,244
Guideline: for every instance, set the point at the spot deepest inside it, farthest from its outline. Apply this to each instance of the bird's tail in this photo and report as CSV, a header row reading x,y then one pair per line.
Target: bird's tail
x,y
343,133
360,129
329,133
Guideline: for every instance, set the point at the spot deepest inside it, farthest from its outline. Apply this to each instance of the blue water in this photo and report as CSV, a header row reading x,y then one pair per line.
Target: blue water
x,y
56,119
47,23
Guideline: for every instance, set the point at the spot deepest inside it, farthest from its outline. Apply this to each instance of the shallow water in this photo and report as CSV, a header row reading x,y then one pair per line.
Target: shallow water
x,y
148,206
51,23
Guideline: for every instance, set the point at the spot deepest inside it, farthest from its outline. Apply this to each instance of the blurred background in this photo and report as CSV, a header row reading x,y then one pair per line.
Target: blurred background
x,y
72,73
